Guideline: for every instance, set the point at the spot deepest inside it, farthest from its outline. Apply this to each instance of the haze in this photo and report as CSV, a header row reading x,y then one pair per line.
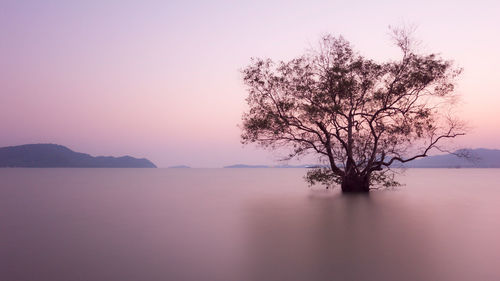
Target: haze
x,y
161,80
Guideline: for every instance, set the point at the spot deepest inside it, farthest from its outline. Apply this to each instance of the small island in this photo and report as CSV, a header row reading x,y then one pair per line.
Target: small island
x,y
58,156
179,167
246,166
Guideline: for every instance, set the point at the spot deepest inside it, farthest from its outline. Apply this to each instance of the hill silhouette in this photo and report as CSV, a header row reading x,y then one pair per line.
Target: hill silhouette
x,y
53,155
478,158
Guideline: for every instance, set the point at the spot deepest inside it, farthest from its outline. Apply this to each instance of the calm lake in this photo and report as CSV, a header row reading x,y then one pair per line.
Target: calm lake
x,y
245,224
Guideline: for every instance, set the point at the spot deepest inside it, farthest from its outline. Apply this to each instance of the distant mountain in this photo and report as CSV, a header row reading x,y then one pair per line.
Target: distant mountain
x,y
53,155
479,158
179,167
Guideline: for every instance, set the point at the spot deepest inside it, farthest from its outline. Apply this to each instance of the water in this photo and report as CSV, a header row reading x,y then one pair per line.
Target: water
x,y
245,224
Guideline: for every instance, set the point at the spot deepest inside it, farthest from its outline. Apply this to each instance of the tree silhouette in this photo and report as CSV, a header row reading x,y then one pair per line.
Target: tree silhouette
x,y
358,115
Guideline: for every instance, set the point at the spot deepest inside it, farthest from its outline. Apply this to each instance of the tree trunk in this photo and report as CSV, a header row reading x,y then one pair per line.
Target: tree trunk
x,y
353,183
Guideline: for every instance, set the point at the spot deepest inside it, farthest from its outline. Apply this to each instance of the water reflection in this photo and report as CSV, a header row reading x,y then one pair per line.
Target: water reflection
x,y
221,224
335,237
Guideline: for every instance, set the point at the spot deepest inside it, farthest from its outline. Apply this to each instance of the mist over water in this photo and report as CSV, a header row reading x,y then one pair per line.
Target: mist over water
x,y
245,224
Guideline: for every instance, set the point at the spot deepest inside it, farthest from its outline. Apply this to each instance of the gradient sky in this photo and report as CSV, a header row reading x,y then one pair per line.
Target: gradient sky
x,y
160,79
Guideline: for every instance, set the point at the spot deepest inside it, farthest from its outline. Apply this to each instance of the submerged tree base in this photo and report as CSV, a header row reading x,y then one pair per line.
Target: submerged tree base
x,y
355,185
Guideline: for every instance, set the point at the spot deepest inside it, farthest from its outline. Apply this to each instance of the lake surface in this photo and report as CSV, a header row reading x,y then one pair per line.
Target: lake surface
x,y
245,224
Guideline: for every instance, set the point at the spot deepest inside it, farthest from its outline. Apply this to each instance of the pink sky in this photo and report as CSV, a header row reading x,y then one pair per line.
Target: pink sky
x,y
161,80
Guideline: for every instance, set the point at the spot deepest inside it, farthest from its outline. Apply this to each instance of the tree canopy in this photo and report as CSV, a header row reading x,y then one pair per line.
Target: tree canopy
x,y
357,115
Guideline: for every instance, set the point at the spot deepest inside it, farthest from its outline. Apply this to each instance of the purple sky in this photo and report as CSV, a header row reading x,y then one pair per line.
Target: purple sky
x,y
160,79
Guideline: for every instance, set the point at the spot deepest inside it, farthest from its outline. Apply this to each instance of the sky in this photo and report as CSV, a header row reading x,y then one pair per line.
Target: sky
x,y
162,80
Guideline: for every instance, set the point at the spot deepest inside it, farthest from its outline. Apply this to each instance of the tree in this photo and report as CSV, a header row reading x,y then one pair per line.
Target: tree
x,y
359,116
